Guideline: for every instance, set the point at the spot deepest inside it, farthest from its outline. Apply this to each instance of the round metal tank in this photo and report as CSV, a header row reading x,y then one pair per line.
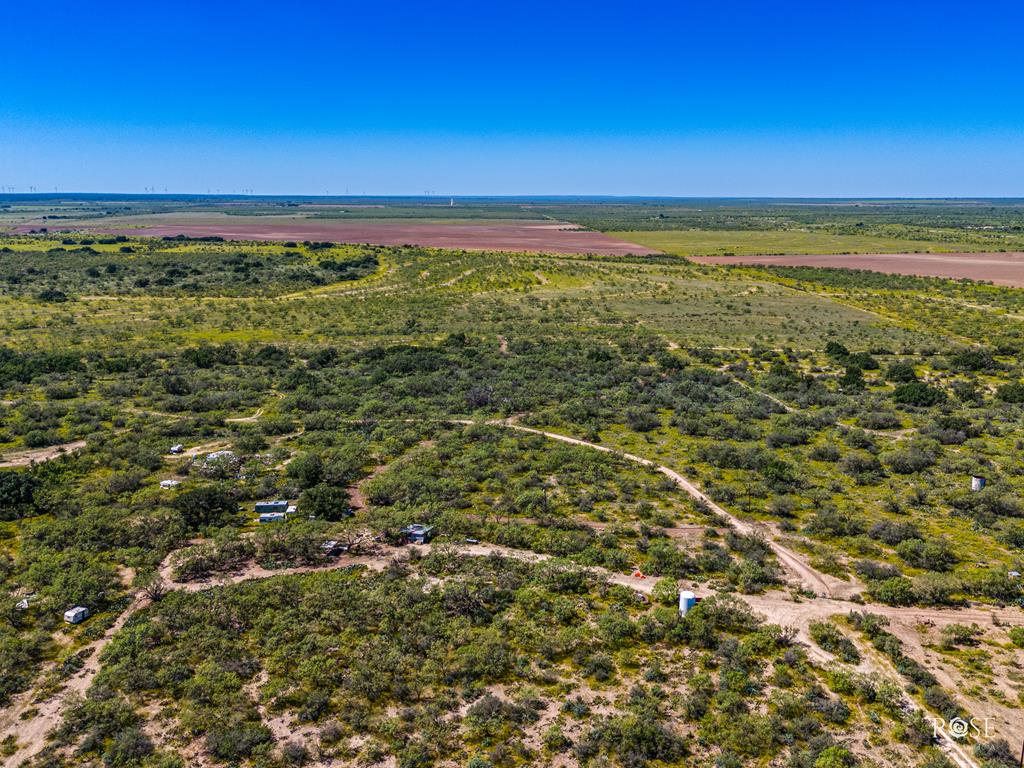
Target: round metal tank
x,y
686,601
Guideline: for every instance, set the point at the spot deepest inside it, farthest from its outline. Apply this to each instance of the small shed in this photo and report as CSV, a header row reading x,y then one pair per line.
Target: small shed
x,y
266,507
76,615
977,482
418,533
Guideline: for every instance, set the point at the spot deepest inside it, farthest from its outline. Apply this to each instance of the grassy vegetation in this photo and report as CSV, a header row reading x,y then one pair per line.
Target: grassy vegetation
x,y
696,242
717,228
418,293
498,662
56,271
780,226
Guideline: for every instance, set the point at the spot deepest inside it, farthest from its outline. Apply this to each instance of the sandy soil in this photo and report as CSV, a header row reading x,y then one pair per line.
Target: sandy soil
x,y
38,455
246,419
513,235
1000,268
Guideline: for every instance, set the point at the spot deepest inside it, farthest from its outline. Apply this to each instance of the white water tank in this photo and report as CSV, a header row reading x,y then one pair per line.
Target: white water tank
x,y
686,601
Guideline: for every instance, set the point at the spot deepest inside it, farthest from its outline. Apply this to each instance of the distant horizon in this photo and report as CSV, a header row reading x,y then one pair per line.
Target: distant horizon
x,y
470,198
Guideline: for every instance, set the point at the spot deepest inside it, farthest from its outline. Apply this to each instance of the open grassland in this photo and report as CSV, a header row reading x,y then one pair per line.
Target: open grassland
x,y
695,242
412,293
821,226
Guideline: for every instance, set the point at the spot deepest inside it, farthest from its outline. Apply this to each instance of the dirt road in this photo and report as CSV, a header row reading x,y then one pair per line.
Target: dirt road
x,y
191,453
33,732
17,459
819,583
896,434
246,419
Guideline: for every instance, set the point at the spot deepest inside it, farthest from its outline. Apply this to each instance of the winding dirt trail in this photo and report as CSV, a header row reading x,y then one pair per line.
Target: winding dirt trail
x,y
32,732
246,419
819,583
894,434
775,607
356,497
829,590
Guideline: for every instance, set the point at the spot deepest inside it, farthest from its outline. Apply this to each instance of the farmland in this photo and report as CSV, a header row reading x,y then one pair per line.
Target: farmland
x,y
516,230
587,433
923,231
707,242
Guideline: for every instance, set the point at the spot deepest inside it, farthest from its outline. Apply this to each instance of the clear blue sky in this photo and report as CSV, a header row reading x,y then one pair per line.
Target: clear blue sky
x,y
827,98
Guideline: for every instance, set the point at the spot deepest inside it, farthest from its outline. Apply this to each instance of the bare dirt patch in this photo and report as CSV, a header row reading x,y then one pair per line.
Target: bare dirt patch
x,y
1000,268
38,455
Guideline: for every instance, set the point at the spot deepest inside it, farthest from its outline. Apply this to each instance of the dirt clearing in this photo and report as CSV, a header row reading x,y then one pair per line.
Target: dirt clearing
x,y
38,455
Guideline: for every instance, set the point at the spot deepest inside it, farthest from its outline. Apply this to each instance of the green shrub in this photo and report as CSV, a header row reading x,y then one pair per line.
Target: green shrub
x,y
918,393
829,637
895,591
901,372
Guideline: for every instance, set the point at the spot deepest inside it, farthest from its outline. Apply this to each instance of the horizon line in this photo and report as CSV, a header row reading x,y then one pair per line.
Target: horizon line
x,y
512,197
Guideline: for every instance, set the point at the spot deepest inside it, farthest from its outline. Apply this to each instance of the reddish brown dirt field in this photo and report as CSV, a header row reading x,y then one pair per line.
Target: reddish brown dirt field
x,y
1000,268
527,236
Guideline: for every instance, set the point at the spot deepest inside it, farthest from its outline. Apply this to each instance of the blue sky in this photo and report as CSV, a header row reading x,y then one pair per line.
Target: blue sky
x,y
661,98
